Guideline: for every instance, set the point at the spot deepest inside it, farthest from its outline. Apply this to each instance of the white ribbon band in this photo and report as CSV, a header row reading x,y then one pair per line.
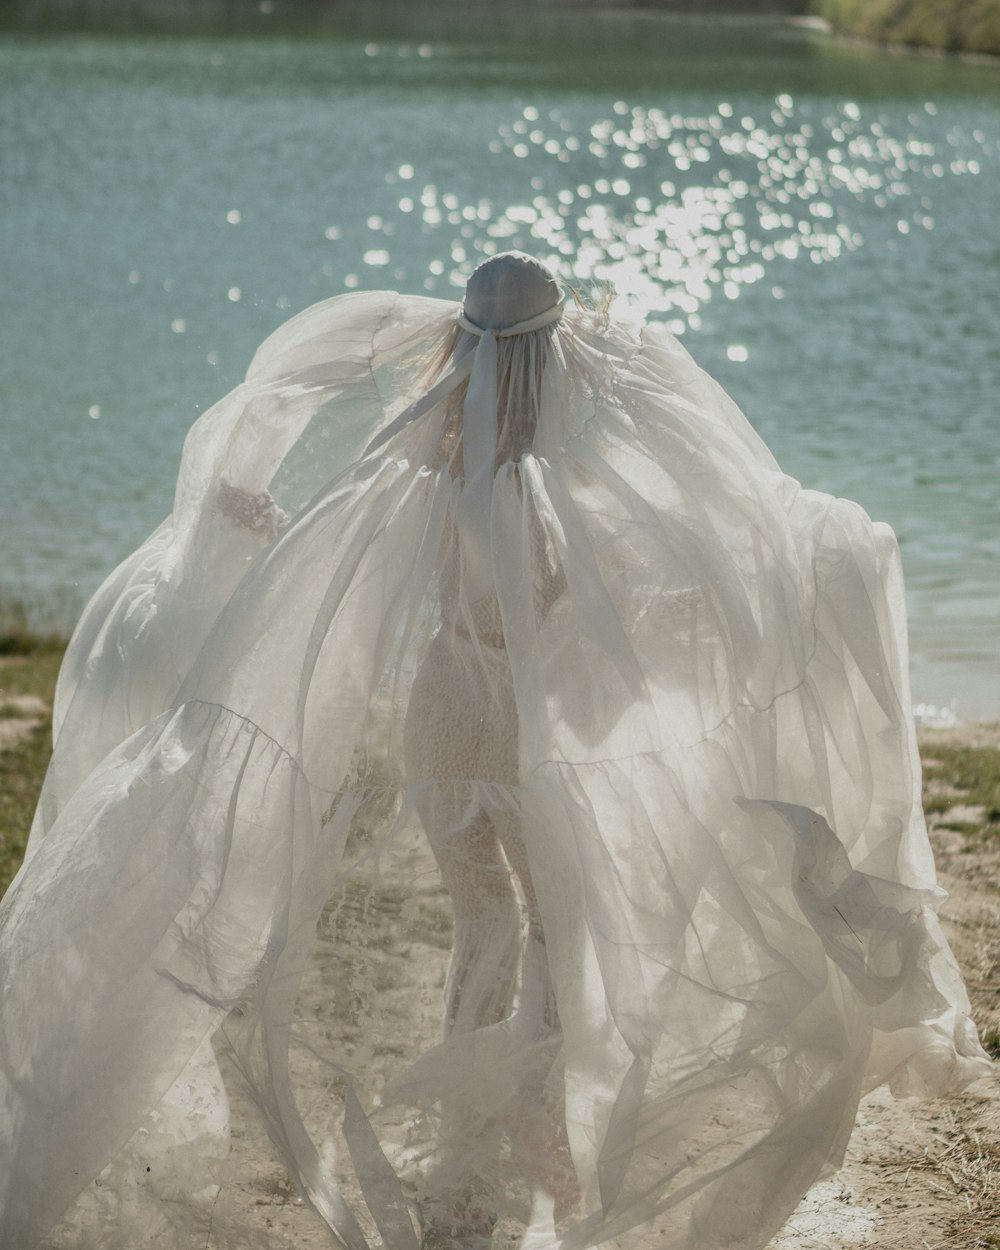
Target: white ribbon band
x,y
538,322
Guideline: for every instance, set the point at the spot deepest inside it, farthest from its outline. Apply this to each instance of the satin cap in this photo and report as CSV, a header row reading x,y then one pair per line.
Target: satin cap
x,y
509,289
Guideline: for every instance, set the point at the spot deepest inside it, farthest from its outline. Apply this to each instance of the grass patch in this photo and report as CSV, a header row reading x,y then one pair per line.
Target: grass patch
x,y
974,772
968,827
23,765
28,642
14,711
938,804
22,769
990,1039
969,776
34,673
32,624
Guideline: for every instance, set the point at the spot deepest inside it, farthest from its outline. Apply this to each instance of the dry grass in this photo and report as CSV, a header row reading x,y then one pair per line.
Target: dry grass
x,y
964,1162
961,1156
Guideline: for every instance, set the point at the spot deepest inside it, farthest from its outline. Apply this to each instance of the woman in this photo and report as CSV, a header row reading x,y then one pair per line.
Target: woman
x,y
562,619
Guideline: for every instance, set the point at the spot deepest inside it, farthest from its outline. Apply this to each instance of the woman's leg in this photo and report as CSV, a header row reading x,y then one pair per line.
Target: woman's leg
x,y
459,1206
486,939
537,1129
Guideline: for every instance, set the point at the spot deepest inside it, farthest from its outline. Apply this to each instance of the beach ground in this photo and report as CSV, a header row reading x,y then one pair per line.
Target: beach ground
x,y
920,1175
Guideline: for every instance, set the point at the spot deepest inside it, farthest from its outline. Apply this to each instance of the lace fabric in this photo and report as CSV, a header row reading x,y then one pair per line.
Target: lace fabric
x,y
647,770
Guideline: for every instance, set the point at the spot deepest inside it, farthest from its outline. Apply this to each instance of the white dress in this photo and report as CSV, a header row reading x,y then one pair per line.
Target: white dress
x,y
659,754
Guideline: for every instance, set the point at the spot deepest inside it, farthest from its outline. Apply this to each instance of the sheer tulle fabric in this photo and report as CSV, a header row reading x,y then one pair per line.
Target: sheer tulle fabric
x,y
650,780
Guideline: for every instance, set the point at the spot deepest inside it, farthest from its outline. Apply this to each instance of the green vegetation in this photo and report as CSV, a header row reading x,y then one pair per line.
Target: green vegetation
x,y
20,640
946,25
968,777
22,769
27,671
35,624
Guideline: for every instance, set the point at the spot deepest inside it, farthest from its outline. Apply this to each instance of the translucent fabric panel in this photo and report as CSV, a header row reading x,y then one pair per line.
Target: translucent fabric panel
x,y
579,889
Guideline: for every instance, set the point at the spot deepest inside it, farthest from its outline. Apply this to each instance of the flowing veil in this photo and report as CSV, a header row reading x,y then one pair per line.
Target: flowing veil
x,y
574,886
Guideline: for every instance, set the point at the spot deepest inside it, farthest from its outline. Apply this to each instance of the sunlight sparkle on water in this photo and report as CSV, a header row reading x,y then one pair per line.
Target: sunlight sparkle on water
x,y
673,210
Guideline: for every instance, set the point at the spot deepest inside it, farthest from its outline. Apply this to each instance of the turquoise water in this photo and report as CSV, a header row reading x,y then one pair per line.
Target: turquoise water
x,y
818,221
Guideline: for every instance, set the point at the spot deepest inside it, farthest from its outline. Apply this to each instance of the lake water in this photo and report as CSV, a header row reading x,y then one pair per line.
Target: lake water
x,y
818,221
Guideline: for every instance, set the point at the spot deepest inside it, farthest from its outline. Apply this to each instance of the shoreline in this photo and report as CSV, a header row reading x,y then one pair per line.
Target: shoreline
x,y
974,735
930,719
822,16
925,51
941,35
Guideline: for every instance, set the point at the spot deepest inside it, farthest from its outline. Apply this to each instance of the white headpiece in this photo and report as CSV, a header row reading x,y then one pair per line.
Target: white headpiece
x,y
507,295
510,294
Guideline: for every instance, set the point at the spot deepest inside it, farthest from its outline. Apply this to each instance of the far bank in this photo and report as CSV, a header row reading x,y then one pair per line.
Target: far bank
x,y
956,26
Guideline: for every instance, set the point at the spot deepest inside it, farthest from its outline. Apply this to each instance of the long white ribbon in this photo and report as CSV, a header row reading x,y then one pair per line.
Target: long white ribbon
x,y
441,389
474,514
479,452
479,436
